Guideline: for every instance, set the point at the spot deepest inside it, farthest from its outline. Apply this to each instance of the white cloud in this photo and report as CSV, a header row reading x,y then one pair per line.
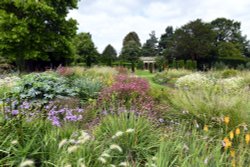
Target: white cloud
x,y
110,20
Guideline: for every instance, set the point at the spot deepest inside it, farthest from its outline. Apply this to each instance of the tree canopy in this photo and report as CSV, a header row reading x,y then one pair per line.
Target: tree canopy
x,y
150,48
85,49
35,31
109,55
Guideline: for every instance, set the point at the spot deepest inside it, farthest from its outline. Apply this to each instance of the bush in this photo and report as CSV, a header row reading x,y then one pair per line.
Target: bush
x,y
43,86
220,66
128,92
191,65
170,75
229,73
87,87
194,81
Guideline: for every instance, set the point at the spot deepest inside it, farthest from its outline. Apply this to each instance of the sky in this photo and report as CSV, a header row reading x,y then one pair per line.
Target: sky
x,y
109,21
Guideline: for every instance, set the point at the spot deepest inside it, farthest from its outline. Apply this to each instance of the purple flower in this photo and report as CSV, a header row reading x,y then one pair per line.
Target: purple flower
x,y
14,112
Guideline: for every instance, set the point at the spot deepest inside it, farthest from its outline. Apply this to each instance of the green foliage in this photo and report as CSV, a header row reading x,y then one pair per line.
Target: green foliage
x,y
132,36
43,86
85,49
22,31
229,73
137,136
131,52
208,106
109,55
149,49
171,75
87,88
191,65
220,65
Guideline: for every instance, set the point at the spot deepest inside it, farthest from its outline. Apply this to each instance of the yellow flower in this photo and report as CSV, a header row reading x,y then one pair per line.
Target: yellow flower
x,y
205,128
226,120
233,163
247,138
231,135
232,153
237,131
227,143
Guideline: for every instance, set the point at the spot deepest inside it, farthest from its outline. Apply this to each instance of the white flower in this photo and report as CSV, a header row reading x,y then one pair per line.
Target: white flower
x,y
130,130
115,147
153,165
82,165
154,158
27,163
105,155
118,134
103,160
62,143
14,142
82,139
67,165
112,165
123,164
72,149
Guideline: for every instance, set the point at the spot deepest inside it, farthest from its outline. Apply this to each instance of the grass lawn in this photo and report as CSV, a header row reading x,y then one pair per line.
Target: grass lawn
x,y
149,76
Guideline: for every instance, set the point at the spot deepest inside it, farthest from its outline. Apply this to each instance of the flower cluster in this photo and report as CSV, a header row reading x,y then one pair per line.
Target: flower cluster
x,y
194,81
230,84
9,81
128,91
58,115
31,111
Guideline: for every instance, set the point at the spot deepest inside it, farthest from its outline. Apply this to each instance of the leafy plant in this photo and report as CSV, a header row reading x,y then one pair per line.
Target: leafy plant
x,y
44,86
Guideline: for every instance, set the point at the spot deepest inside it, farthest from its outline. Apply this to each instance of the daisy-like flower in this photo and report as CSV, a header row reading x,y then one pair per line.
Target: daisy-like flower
x,y
72,149
62,143
103,160
27,162
115,147
130,130
118,134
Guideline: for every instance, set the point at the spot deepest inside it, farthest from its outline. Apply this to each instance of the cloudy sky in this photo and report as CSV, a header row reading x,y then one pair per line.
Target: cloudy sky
x,y
110,20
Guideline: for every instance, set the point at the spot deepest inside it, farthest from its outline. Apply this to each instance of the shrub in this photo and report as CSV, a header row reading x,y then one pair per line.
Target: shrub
x,y
229,73
87,88
128,92
194,81
170,75
230,85
43,86
248,65
220,66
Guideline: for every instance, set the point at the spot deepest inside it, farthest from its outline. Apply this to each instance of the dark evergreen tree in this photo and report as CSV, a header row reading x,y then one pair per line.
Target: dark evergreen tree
x,y
150,48
109,55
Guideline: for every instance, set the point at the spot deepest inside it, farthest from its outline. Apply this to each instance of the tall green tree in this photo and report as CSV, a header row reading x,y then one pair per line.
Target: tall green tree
x,y
131,53
150,47
195,41
85,49
35,31
132,36
230,31
109,55
166,39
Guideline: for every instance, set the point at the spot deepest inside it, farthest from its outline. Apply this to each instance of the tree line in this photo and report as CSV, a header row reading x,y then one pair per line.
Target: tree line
x,y
35,34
